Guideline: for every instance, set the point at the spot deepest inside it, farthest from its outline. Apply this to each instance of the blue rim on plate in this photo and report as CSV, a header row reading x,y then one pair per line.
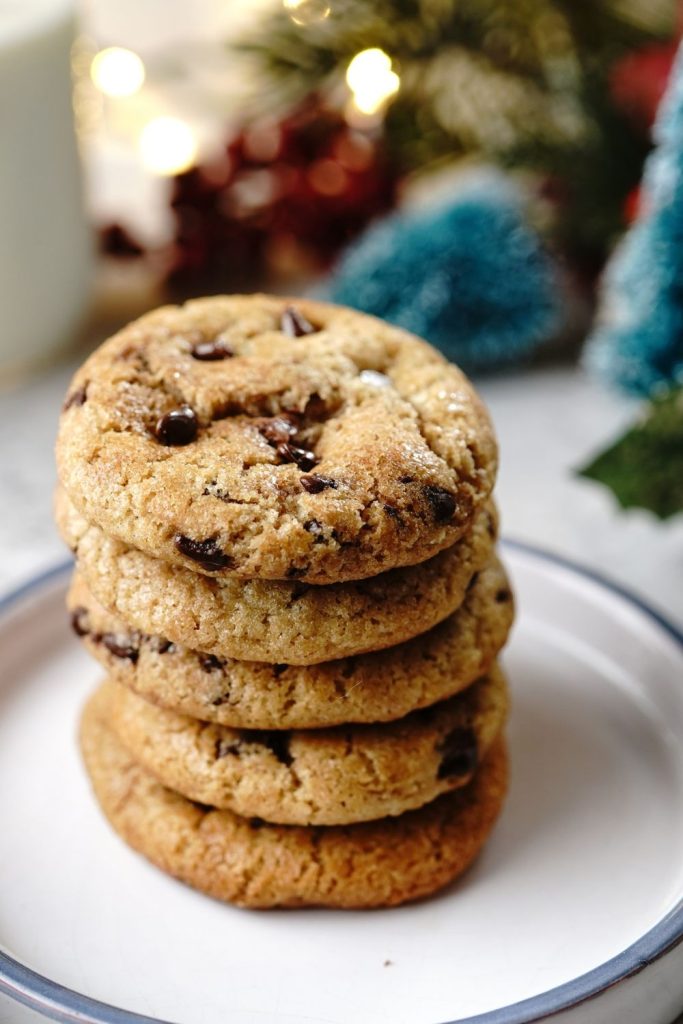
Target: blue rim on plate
x,y
64,1004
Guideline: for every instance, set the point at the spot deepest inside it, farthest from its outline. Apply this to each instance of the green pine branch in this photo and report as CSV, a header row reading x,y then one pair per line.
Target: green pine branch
x,y
644,468
547,44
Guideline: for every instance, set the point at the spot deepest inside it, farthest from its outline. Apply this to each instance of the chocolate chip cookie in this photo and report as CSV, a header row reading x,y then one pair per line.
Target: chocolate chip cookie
x,y
253,864
269,620
377,687
320,776
249,436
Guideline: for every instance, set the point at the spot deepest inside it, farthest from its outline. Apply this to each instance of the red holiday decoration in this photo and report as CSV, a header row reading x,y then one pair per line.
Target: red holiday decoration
x,y
285,197
638,81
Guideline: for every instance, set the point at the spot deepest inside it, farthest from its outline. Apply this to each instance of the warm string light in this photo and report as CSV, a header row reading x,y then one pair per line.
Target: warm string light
x,y
307,12
117,72
371,80
168,146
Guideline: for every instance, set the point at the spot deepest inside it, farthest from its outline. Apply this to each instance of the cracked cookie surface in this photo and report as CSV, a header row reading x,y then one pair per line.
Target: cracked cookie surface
x,y
252,864
274,620
376,687
320,776
255,436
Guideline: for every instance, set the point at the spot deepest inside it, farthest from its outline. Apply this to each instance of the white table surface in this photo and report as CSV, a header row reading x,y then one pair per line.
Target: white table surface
x,y
549,421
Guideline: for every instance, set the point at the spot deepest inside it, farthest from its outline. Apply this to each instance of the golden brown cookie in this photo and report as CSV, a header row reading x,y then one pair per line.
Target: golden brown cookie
x,y
274,621
255,437
252,864
315,777
376,687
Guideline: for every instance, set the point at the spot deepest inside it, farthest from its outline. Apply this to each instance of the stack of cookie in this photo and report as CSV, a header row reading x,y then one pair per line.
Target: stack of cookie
x,y
285,561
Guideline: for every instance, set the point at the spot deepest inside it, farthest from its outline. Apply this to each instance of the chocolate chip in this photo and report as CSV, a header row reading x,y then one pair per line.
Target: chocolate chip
x,y
316,407
120,646
210,663
406,479
314,527
295,324
314,483
177,427
278,430
459,754
77,397
227,409
277,742
211,351
205,552
163,646
78,619
301,456
393,512
503,595
442,502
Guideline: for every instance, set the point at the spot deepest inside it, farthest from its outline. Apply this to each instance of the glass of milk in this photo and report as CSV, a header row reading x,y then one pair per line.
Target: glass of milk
x,y
45,244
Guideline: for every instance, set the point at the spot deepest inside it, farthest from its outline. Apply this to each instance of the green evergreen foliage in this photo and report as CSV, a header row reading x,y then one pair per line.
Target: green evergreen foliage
x,y
519,82
644,468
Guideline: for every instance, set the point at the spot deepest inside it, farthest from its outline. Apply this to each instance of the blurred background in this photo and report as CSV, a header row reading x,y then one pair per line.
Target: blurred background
x,y
502,177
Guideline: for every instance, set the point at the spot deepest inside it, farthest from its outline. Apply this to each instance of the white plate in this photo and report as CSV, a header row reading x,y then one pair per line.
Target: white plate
x,y
580,888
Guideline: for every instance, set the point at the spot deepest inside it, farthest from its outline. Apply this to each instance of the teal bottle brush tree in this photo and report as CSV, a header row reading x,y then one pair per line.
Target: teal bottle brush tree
x,y
637,343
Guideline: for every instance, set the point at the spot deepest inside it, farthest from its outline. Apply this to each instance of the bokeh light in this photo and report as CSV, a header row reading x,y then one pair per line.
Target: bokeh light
x,y
117,72
328,177
307,12
370,78
167,146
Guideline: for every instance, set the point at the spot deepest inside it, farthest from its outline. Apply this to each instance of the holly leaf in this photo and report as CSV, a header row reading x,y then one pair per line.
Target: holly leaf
x,y
644,468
